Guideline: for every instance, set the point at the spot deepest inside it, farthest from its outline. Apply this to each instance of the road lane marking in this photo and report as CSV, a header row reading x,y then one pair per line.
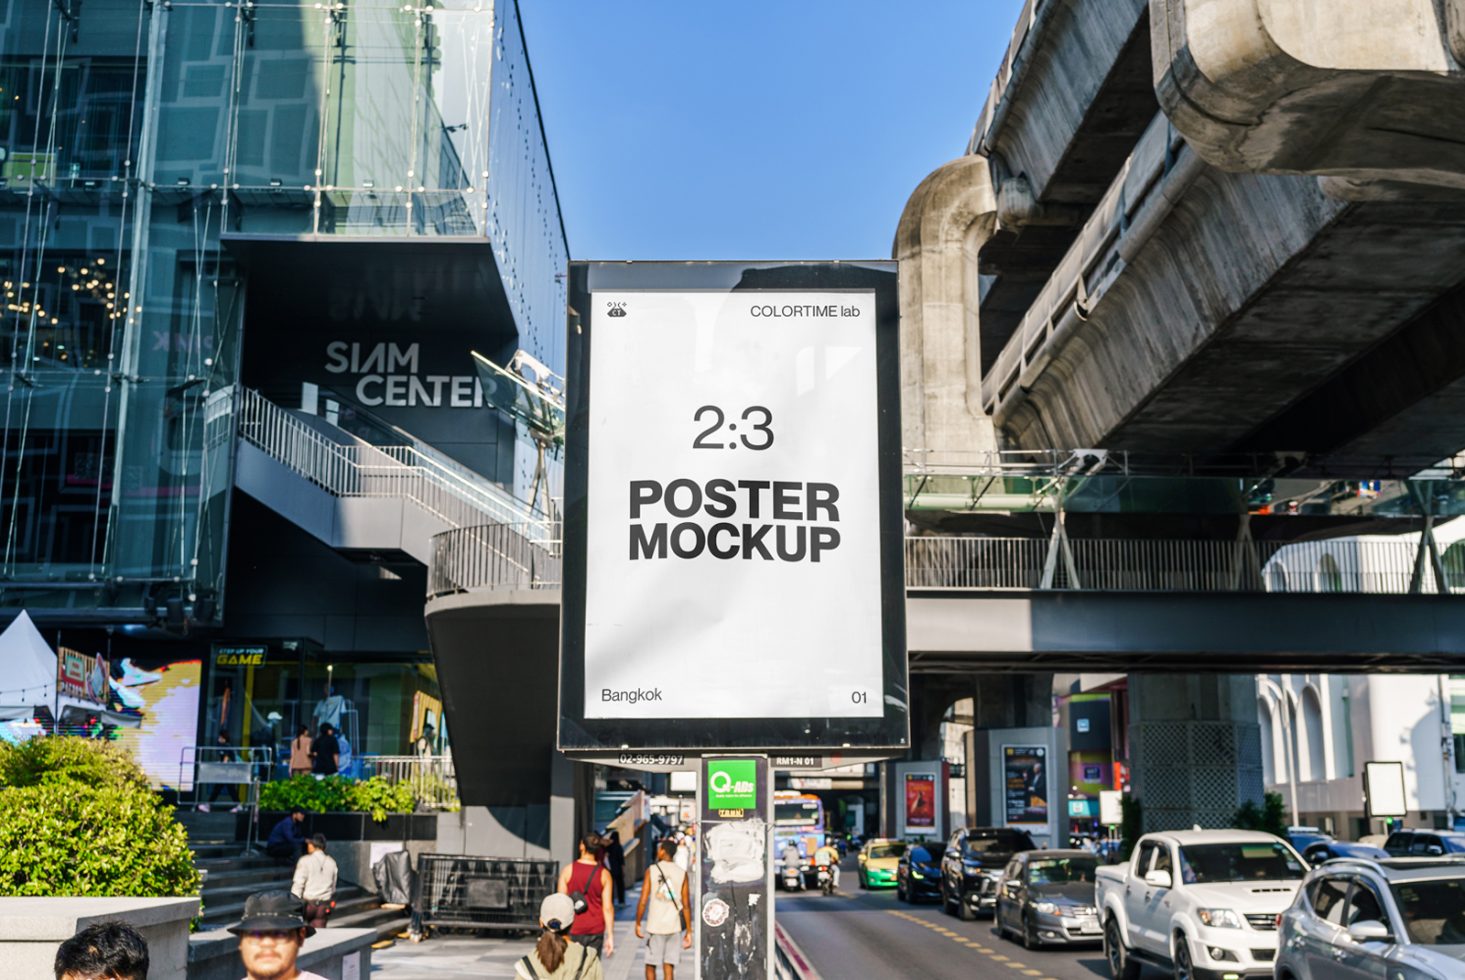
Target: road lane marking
x,y
991,954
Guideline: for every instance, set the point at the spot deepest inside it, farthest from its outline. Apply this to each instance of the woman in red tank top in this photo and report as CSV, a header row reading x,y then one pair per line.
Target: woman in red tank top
x,y
594,927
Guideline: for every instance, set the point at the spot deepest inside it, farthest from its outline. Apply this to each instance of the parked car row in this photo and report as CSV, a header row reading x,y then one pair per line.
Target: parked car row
x,y
1210,904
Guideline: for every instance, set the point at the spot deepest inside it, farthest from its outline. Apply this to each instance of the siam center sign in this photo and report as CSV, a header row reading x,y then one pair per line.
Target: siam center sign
x,y
733,523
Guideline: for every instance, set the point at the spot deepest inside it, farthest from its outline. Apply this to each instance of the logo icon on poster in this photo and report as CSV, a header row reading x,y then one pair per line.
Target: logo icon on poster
x,y
617,309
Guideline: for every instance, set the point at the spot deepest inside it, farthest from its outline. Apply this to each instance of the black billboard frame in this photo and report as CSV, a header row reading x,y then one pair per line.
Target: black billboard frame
x,y
889,733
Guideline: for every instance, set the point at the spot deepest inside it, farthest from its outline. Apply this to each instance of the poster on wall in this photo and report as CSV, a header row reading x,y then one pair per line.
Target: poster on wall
x,y
920,801
733,539
81,676
1025,784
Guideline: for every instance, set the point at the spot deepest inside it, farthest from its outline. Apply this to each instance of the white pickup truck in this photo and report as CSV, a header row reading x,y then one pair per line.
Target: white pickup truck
x,y
1201,903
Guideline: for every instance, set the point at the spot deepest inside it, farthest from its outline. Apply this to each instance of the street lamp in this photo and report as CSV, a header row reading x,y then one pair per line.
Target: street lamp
x,y
1274,692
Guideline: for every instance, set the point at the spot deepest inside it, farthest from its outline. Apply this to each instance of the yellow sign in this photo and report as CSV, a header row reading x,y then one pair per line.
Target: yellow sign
x,y
253,658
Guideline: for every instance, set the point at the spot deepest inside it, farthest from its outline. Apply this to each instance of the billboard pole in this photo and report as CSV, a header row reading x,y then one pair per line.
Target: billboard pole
x,y
733,918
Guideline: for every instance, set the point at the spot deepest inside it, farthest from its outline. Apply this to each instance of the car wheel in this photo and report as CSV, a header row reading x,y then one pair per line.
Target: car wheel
x,y
901,895
864,882
1184,968
1029,935
946,905
1121,967
964,910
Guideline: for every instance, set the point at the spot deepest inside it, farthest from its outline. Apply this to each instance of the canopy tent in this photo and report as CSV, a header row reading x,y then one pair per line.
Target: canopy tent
x,y
27,666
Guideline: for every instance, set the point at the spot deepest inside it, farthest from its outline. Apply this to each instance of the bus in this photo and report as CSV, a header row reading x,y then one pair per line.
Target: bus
x,y
797,817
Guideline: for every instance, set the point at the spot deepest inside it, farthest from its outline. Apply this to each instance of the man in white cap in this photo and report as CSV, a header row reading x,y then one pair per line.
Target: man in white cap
x,y
554,957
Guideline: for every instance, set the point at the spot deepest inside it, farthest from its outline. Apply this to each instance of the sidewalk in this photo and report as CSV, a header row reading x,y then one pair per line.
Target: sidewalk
x,y
467,957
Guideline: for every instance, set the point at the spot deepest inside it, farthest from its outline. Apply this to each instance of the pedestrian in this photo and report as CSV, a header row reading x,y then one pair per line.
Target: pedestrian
x,y
220,789
666,907
588,885
287,838
105,951
315,881
343,753
325,753
554,957
300,751
270,936
615,863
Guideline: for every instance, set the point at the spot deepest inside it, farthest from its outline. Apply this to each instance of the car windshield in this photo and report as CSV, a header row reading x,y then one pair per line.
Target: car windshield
x,y
1202,864
1000,842
920,855
1062,871
891,849
1433,911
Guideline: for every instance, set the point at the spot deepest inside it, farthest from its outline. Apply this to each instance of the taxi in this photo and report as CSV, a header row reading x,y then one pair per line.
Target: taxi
x,y
878,860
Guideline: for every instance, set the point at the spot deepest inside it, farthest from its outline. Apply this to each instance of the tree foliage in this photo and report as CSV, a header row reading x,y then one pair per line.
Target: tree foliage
x,y
77,817
337,794
1270,817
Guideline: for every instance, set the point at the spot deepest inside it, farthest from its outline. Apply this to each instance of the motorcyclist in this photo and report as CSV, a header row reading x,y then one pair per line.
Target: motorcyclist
x,y
828,855
791,858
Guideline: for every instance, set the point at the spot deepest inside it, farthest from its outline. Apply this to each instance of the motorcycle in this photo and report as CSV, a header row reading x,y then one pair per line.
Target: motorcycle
x,y
793,877
826,879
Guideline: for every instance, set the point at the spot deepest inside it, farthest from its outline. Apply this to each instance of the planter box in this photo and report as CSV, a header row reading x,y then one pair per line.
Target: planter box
x,y
348,826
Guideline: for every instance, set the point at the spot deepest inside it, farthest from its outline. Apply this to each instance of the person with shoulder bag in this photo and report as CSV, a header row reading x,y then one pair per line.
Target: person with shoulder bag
x,y
586,882
666,907
554,957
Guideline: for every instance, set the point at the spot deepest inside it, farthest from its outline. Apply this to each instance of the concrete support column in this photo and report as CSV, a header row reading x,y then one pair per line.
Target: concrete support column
x,y
947,220
1195,748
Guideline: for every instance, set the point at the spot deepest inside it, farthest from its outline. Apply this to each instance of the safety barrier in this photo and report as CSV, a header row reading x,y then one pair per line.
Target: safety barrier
x,y
483,893
500,557
433,778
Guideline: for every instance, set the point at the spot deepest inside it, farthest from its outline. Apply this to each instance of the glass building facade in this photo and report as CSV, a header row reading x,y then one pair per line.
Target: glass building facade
x,y
199,196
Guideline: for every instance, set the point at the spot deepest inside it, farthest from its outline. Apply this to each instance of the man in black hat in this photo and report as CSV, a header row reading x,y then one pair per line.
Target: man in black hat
x,y
270,936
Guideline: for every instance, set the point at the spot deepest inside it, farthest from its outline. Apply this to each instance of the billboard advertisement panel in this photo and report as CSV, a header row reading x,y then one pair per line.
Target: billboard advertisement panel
x,y
920,801
1025,784
733,537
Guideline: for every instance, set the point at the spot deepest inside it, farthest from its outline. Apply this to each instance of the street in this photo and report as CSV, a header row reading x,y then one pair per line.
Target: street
x,y
871,935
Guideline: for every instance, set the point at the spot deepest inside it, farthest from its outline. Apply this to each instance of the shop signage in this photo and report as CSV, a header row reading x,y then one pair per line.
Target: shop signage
x,y
240,656
82,676
733,545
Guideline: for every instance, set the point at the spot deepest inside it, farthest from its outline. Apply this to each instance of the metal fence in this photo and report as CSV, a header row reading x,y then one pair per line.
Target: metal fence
x,y
483,893
437,484
500,557
493,556
433,779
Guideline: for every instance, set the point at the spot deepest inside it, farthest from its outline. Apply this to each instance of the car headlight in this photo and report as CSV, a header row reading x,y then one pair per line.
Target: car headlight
x,y
1219,918
1046,908
916,874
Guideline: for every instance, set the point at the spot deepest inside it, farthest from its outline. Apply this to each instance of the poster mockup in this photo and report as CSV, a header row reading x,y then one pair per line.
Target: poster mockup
x,y
733,537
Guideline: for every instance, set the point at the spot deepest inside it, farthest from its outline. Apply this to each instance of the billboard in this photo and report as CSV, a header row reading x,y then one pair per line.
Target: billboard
x,y
1025,784
81,676
733,571
920,801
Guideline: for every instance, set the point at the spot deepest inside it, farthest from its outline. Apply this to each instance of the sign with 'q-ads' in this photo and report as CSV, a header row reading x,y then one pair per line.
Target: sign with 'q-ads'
x,y
737,508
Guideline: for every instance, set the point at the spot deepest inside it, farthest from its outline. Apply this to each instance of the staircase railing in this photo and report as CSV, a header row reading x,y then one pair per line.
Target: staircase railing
x,y
359,470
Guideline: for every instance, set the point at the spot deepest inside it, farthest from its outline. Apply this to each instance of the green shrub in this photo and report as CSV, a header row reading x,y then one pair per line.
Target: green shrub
x,y
77,818
337,794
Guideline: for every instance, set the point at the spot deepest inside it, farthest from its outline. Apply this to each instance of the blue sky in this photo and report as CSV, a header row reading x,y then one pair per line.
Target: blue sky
x,y
777,129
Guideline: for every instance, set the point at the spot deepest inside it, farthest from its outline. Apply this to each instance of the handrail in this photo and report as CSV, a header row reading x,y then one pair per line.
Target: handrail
x,y
433,778
497,557
358,469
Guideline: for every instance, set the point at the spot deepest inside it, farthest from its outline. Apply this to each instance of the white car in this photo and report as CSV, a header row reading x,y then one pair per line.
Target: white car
x,y
1200,903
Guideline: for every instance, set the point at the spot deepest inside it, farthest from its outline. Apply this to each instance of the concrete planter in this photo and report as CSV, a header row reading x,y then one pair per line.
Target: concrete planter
x,y
32,928
351,826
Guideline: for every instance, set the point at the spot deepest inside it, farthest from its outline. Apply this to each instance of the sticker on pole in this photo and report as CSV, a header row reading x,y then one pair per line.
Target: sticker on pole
x,y
733,545
732,784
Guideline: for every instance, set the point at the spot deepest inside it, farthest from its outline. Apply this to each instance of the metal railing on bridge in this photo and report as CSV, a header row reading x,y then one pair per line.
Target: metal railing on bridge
x,y
499,557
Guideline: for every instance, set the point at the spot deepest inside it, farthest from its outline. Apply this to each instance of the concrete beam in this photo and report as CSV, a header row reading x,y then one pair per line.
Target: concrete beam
x,y
948,218
1364,89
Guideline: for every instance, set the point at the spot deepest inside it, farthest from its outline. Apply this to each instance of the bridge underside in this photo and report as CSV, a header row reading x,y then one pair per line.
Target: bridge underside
x,y
954,632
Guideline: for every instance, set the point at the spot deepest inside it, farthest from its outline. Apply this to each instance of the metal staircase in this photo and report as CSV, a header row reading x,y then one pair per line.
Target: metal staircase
x,y
359,496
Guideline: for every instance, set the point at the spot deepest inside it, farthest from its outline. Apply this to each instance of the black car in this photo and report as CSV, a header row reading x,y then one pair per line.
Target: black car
x,y
1424,843
1047,897
972,865
918,875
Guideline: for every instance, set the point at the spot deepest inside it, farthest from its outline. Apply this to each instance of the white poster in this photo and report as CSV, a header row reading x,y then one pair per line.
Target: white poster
x,y
733,554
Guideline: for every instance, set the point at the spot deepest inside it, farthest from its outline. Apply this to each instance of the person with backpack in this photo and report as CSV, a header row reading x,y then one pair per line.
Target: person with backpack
x,y
666,907
587,883
554,957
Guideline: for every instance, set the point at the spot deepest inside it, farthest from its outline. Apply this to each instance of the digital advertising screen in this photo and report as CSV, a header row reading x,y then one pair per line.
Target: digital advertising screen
x,y
920,801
